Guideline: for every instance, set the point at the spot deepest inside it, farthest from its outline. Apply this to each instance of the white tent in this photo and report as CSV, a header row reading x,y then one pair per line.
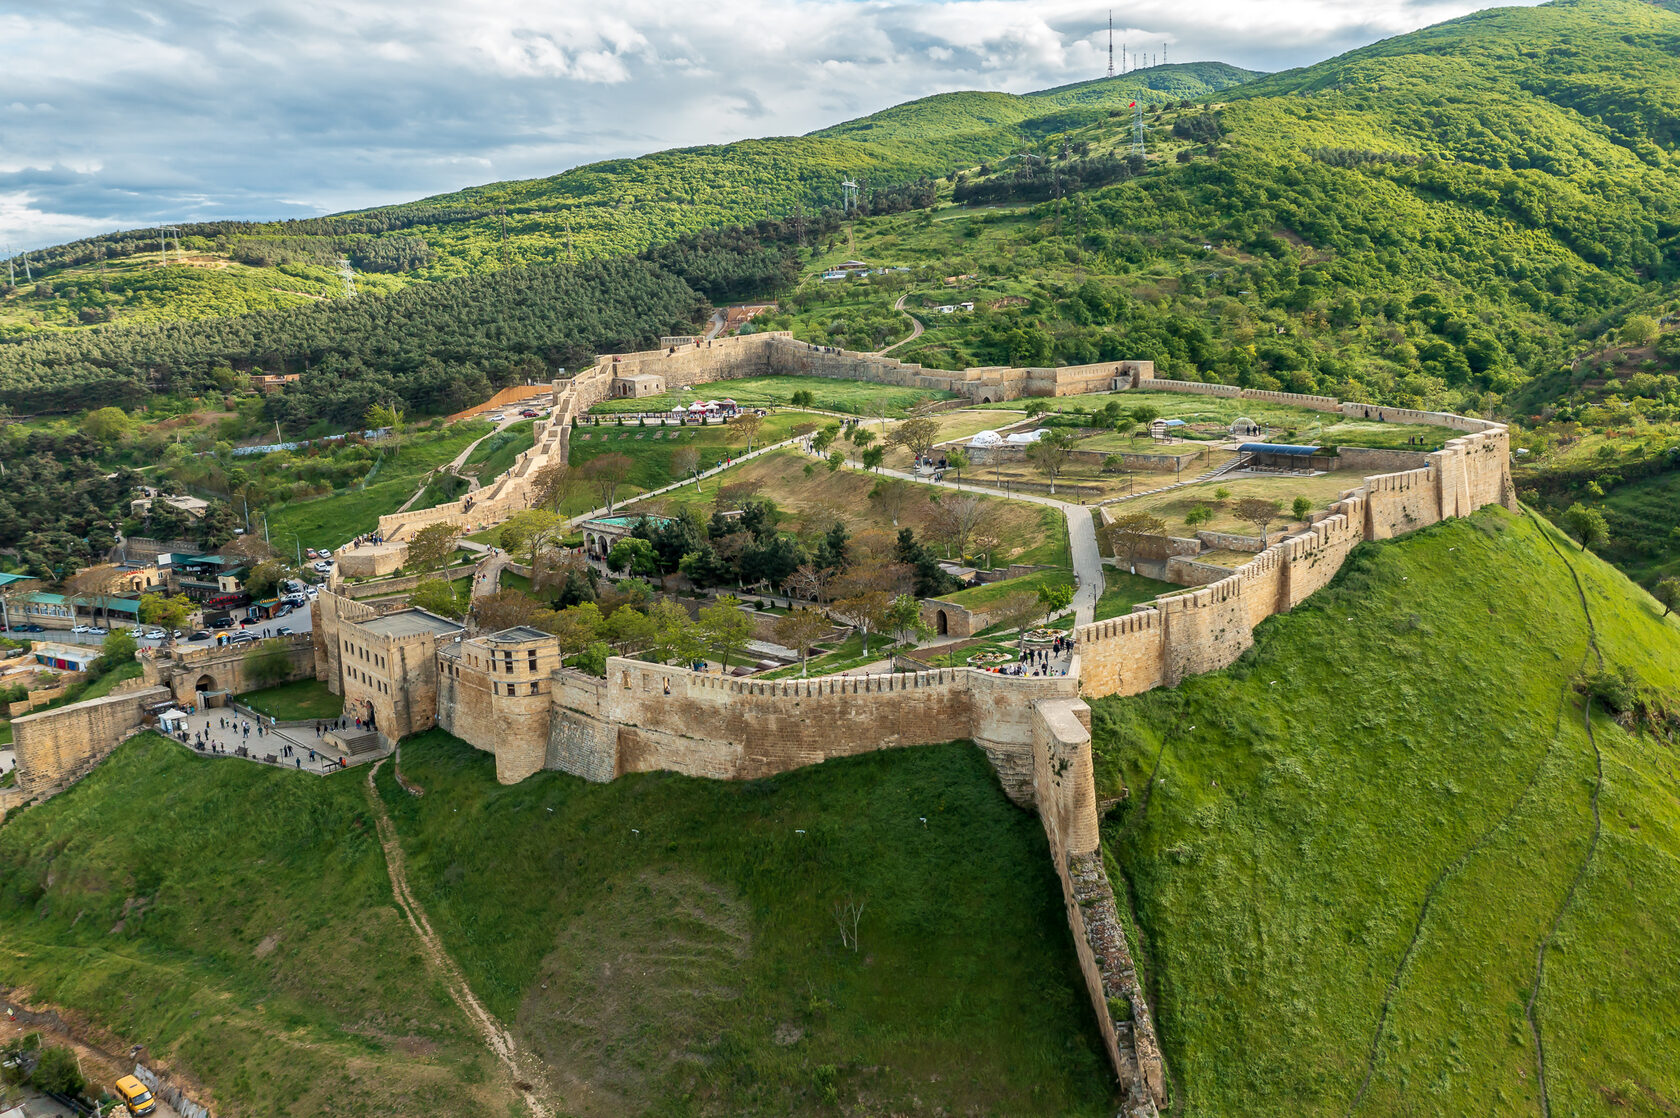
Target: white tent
x,y
172,717
985,439
679,408
1025,438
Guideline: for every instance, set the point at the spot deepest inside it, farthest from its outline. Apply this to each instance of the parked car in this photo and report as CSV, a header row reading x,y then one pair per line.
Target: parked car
x,y
137,1098
530,413
81,628
284,610
222,623
200,635
137,632
326,553
155,634
313,591
28,629
312,553
242,638
179,634
321,565
283,631
98,631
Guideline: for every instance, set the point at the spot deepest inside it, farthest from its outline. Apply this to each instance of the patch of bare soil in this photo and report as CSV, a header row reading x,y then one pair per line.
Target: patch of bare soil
x,y
635,990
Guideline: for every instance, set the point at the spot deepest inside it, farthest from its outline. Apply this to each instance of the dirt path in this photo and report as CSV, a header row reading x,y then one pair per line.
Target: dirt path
x,y
915,326
501,1042
455,464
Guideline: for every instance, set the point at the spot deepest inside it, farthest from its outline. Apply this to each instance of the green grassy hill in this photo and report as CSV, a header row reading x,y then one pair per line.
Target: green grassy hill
x,y
239,922
1350,853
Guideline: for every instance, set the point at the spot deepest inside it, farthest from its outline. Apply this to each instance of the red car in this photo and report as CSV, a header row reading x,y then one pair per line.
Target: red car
x,y
530,413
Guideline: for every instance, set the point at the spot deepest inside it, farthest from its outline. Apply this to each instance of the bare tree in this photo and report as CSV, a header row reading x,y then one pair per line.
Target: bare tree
x,y
1258,511
1017,610
686,463
798,629
892,494
607,473
94,588
555,485
1129,534
809,582
12,597
847,914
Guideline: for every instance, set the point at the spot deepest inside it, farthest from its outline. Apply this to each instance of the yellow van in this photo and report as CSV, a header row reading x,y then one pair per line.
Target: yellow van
x,y
136,1096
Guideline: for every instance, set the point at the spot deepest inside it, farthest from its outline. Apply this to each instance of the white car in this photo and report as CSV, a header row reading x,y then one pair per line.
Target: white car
x,y
81,628
155,634
326,553
98,630
137,633
314,591
321,565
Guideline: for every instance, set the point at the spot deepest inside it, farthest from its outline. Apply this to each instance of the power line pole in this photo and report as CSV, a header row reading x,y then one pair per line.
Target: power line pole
x,y
348,276
1137,129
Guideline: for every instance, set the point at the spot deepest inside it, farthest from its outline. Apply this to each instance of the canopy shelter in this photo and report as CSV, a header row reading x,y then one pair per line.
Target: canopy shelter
x,y
1286,456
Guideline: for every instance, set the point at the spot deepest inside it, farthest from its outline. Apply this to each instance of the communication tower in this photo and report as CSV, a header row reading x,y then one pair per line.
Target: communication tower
x,y
1111,42
848,195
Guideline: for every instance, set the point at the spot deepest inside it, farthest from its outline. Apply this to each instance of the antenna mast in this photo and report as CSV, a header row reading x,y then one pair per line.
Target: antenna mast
x,y
1111,42
11,269
1137,129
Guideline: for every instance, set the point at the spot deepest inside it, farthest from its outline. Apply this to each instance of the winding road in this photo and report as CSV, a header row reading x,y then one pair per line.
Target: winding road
x,y
915,324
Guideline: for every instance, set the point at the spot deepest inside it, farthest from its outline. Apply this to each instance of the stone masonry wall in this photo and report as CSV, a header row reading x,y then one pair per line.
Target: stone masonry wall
x,y
56,747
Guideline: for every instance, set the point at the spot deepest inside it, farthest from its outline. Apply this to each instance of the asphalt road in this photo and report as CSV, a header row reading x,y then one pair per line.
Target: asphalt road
x,y
298,621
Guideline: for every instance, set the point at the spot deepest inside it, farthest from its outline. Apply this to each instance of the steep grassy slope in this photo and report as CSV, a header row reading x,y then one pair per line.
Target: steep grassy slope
x,y
669,945
238,922
1348,852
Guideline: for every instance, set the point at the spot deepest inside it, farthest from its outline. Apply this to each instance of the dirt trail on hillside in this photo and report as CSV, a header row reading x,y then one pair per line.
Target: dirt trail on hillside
x,y
499,1040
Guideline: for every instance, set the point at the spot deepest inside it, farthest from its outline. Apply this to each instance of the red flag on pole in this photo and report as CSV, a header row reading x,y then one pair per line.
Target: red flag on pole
x,y
1133,105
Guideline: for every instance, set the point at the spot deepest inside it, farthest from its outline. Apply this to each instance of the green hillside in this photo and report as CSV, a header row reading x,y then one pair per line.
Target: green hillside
x,y
239,921
600,209
1350,853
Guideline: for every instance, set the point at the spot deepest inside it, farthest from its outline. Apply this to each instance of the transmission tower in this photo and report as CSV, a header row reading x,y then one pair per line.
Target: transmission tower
x,y
1122,54
848,195
347,276
1111,42
1137,129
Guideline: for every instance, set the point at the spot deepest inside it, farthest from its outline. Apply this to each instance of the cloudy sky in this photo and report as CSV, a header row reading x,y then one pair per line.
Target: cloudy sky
x,y
115,115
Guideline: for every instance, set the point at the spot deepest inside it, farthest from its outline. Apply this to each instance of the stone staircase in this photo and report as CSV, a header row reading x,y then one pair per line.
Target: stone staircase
x,y
355,744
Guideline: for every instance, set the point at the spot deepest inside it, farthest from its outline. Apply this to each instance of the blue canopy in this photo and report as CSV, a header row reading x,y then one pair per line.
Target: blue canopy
x,y
1277,448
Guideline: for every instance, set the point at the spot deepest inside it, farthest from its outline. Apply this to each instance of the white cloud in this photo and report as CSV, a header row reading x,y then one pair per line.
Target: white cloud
x,y
118,114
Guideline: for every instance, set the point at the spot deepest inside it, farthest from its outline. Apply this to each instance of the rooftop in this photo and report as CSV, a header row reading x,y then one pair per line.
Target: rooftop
x,y
518,634
410,623
1278,448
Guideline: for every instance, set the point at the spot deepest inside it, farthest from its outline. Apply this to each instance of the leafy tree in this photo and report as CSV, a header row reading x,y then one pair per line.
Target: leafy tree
x,y
1130,533
904,619
725,627
1302,508
872,457
1667,593
503,610
58,1073
577,627
1258,511
268,662
930,579
747,425
862,436
262,580
167,613
916,435
1050,455
634,556
866,610
1638,330
835,461
1587,525
439,596
531,532
1053,599
117,648
107,425
957,459
1198,516
431,547
1016,611
388,415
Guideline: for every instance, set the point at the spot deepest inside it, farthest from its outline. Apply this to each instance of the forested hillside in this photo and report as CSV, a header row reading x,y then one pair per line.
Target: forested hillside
x,y
602,209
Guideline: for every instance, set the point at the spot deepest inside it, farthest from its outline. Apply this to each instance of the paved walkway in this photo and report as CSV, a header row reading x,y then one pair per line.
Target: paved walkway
x,y
487,576
272,741
460,460
1082,536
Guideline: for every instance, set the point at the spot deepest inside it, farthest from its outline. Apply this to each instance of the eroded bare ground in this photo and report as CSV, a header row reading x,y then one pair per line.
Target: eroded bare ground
x,y
638,991
521,1067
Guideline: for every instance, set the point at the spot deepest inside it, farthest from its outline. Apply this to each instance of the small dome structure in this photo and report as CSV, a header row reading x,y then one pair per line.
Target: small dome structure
x,y
1244,427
